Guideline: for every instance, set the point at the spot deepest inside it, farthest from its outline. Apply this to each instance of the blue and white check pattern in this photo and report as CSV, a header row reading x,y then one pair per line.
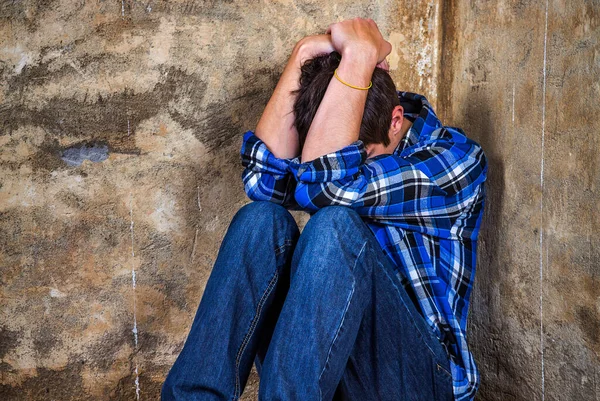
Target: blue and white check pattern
x,y
424,203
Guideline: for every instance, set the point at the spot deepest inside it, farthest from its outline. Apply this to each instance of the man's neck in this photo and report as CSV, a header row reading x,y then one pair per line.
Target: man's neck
x,y
406,124
376,149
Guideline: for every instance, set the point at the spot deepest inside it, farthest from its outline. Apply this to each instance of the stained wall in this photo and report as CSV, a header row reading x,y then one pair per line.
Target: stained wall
x,y
120,129
523,78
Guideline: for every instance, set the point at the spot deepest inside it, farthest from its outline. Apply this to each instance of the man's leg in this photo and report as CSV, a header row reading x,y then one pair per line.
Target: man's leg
x,y
396,355
239,307
329,290
335,281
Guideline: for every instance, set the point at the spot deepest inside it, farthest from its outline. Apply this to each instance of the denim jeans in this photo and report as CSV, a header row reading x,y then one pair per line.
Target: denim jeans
x,y
322,315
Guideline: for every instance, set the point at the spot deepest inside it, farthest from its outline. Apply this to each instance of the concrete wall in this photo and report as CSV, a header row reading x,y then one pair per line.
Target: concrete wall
x,y
119,174
522,77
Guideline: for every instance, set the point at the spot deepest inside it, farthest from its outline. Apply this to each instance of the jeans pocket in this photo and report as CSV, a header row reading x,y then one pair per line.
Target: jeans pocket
x,y
443,369
443,383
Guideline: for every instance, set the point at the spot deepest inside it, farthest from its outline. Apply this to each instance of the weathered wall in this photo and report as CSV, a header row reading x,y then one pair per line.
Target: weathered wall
x,y
164,90
523,78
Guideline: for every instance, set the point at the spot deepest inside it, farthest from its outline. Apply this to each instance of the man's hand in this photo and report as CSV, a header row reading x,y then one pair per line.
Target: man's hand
x,y
337,121
312,46
359,37
276,125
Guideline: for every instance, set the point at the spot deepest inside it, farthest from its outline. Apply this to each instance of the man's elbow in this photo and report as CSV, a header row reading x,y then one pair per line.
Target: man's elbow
x,y
259,187
256,194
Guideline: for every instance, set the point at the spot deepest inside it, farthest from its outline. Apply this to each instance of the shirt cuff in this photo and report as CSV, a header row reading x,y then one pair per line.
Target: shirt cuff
x,y
332,166
257,157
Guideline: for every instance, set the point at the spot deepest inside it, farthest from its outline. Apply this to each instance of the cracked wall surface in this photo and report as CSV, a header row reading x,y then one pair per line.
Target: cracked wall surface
x,y
120,127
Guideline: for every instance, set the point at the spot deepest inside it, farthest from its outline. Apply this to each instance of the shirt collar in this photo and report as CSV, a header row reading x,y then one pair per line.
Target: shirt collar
x,y
425,121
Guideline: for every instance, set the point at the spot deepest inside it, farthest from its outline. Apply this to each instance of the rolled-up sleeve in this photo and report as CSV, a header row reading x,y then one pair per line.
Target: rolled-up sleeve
x,y
332,179
266,177
426,190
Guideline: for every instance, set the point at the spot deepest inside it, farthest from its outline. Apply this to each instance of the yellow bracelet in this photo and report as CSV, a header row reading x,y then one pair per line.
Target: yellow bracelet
x,y
352,86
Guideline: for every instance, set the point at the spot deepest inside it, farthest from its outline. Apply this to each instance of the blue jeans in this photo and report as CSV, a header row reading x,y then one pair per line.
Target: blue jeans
x,y
322,315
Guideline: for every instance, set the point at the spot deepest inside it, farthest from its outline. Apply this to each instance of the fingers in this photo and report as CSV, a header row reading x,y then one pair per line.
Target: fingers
x,y
359,32
328,31
314,45
384,65
387,48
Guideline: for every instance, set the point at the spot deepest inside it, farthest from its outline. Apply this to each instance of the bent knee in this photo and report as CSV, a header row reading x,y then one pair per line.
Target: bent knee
x,y
263,222
334,217
261,212
336,211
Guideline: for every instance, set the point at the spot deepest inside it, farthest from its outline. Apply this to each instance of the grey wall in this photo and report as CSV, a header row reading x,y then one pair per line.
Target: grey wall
x,y
523,78
121,126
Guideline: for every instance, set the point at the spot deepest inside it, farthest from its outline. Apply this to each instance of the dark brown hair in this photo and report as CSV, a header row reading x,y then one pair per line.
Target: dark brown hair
x,y
314,79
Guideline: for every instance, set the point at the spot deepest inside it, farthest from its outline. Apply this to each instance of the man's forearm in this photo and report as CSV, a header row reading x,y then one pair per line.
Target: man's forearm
x,y
276,125
337,121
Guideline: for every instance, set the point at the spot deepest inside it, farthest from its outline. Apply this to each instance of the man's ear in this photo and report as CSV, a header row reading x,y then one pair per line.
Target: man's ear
x,y
397,120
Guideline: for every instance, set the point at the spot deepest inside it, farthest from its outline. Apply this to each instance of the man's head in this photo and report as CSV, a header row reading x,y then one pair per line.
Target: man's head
x,y
382,104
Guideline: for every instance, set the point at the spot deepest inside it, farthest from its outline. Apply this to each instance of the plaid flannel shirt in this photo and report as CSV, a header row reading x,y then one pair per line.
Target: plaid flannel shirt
x,y
424,204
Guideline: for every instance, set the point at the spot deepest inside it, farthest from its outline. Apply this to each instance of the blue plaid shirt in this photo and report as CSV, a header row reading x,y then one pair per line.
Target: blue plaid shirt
x,y
424,203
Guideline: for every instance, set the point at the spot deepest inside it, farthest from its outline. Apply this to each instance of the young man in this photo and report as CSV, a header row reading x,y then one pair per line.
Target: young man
x,y
370,302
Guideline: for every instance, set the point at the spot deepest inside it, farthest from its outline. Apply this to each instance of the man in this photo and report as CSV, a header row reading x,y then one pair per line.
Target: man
x,y
370,302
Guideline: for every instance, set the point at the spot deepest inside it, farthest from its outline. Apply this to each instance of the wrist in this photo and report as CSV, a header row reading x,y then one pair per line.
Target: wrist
x,y
291,72
356,71
360,55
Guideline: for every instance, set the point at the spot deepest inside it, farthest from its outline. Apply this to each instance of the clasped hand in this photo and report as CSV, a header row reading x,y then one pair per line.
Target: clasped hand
x,y
359,38
362,48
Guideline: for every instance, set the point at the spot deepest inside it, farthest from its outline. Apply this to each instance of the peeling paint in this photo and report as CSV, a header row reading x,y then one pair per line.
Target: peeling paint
x,y
75,155
134,285
56,293
513,103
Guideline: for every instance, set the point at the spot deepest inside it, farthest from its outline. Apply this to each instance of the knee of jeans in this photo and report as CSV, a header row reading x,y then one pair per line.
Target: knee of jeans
x,y
260,213
258,218
335,235
334,218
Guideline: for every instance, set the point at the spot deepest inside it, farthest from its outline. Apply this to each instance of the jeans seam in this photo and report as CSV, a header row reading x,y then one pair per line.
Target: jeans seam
x,y
253,324
337,332
285,244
